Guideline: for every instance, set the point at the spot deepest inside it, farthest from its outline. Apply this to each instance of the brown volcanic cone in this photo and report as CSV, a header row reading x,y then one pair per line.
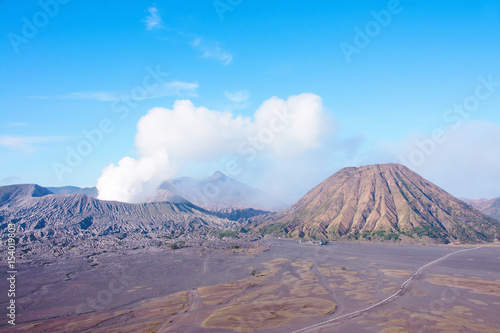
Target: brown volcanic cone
x,y
382,202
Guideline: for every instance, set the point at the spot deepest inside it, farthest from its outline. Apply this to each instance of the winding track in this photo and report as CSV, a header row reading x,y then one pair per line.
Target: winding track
x,y
355,313
194,300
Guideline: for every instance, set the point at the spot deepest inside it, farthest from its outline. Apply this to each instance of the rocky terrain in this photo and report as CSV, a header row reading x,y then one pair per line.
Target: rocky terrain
x,y
488,207
381,202
283,286
387,203
50,224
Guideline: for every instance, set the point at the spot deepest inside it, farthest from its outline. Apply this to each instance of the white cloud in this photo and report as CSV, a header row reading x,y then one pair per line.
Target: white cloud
x,y
212,50
178,88
26,143
169,139
153,20
173,88
207,48
237,96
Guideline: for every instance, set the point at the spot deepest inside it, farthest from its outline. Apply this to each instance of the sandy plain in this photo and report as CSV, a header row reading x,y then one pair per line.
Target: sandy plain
x,y
274,286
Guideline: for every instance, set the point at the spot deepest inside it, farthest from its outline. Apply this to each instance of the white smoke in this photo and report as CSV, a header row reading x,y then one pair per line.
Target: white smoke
x,y
131,180
170,139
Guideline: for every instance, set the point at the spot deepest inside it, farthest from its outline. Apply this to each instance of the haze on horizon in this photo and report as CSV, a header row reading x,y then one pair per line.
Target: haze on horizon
x,y
277,95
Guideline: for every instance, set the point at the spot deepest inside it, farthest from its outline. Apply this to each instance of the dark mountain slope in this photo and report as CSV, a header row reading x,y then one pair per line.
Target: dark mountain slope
x,y
16,194
488,207
52,222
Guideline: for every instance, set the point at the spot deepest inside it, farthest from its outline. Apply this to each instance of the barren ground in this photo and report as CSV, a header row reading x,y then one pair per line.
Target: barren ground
x,y
281,286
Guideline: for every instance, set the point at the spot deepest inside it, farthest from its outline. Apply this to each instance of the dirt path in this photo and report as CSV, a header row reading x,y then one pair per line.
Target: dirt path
x,y
194,299
401,288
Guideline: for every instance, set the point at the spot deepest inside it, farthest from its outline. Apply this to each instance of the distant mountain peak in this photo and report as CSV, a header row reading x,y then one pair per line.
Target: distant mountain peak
x,y
162,195
90,191
217,175
219,191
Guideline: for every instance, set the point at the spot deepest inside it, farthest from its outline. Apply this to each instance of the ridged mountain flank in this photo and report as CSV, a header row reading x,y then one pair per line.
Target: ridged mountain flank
x,y
382,202
488,207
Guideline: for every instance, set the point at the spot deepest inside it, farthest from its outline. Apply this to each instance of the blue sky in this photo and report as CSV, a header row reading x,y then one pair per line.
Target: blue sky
x,y
82,58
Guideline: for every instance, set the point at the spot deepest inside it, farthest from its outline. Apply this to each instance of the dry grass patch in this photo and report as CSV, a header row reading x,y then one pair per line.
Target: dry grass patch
x,y
397,329
478,302
261,302
396,273
260,315
456,319
222,293
353,285
147,316
326,272
472,284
